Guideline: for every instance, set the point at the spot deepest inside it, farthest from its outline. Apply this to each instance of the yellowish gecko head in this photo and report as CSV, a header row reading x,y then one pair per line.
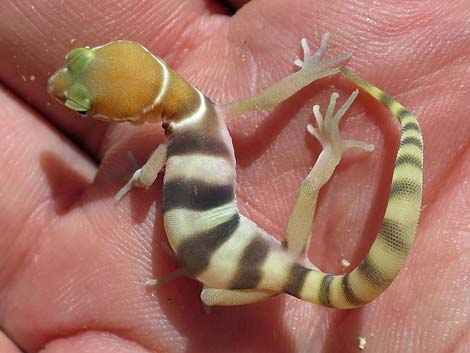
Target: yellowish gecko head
x,y
119,81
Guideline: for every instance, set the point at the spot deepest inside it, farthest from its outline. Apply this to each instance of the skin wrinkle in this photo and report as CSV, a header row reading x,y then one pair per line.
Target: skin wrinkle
x,y
449,170
9,276
426,70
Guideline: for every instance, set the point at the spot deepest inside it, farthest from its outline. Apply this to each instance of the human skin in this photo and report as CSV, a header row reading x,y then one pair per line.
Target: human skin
x,y
73,262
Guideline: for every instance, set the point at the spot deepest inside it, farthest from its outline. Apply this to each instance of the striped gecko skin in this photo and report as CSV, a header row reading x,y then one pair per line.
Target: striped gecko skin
x,y
236,261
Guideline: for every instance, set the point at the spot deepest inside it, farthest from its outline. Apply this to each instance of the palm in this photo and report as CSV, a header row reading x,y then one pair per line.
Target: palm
x,y
73,262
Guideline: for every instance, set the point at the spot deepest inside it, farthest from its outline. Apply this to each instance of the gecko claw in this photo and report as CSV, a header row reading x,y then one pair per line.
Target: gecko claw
x,y
314,63
298,62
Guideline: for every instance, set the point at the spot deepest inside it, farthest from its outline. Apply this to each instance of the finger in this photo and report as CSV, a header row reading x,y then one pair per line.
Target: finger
x,y
6,345
93,341
35,37
49,243
39,167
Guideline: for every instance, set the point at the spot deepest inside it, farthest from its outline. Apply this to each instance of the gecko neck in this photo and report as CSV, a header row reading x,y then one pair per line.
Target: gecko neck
x,y
177,100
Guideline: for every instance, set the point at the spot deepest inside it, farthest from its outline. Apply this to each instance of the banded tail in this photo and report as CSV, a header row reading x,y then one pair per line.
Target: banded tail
x,y
392,245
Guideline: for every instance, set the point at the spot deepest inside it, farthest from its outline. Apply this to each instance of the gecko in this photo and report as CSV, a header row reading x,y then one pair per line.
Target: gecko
x,y
235,260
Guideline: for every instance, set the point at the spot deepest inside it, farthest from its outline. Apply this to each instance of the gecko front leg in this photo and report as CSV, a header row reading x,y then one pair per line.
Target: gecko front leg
x,y
145,176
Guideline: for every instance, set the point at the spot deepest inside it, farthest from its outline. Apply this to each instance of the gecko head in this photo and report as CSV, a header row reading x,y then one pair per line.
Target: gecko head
x,y
118,81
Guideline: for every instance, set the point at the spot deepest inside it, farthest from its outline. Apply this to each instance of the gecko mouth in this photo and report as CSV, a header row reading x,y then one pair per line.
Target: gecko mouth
x,y
77,106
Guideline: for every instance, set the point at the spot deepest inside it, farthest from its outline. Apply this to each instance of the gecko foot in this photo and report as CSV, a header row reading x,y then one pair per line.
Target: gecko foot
x,y
327,130
313,64
133,182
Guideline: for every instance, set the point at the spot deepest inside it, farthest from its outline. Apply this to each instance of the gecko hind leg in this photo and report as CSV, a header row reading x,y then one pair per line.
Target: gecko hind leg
x,y
314,63
299,228
180,272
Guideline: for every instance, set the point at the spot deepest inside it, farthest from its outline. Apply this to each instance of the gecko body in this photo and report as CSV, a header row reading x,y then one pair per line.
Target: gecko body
x,y
236,261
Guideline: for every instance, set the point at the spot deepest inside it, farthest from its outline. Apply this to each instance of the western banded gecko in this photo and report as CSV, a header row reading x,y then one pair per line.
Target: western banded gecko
x,y
236,261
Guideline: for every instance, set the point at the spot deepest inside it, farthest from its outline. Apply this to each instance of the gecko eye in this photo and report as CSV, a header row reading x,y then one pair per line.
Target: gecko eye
x,y
78,59
78,99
